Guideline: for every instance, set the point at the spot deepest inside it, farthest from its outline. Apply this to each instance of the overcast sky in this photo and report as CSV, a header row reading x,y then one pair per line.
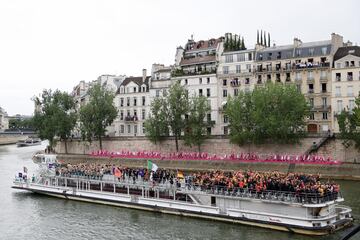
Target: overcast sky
x,y
55,44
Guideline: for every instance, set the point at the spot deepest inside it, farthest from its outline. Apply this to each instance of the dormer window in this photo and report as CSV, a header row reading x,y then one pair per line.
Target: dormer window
x,y
134,89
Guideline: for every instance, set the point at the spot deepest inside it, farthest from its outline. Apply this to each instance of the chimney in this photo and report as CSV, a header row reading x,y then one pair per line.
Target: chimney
x,y
297,42
348,44
336,42
144,74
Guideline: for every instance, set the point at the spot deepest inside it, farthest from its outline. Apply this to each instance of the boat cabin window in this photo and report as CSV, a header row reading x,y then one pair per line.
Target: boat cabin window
x,y
213,201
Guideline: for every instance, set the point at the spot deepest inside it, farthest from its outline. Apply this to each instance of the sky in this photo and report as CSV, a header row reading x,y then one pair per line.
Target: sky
x,y
55,44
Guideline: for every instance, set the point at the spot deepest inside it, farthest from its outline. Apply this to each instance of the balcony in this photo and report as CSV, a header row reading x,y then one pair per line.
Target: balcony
x,y
181,72
245,72
131,118
349,78
312,65
235,83
320,108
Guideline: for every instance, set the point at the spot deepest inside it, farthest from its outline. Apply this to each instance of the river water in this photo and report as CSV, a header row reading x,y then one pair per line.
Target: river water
x,y
30,216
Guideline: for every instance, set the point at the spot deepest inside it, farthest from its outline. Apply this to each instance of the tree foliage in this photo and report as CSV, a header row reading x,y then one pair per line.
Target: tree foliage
x,y
196,123
233,42
57,116
22,124
168,115
97,114
275,112
349,125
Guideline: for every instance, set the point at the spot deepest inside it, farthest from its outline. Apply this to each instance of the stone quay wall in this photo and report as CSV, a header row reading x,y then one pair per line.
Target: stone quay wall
x,y
11,139
333,148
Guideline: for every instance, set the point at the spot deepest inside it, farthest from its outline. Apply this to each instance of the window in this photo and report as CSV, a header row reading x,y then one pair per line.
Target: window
x,y
225,70
311,52
247,80
259,81
325,116
143,128
310,75
338,77
346,63
312,116
185,81
349,76
224,82
128,101
278,77
208,117
297,76
121,115
268,77
229,58
143,112
135,101
128,113
135,113
352,63
157,93
311,88
129,128
241,57
200,80
351,105
323,87
121,102
337,91
226,130
350,91
324,50
311,102
208,92
208,80
134,89
200,92
288,79
224,93
238,68
249,56
208,130
339,106
226,119
121,128
143,100
324,102
248,67
236,91
323,75
298,52
260,57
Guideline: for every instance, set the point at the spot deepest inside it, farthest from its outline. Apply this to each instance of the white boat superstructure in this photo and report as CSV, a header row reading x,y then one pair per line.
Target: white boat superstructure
x,y
286,211
29,142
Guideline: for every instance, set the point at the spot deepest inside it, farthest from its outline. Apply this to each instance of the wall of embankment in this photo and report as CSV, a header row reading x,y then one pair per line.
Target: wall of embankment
x,y
11,139
78,152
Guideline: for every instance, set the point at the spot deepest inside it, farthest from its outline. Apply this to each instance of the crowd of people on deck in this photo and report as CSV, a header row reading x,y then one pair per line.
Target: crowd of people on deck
x,y
240,180
286,158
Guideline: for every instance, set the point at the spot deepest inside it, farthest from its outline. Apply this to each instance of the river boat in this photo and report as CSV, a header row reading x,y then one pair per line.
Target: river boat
x,y
309,214
29,142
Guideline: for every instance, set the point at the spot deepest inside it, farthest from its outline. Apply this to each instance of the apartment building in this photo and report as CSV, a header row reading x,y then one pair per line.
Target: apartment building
x,y
132,102
345,81
195,68
160,80
308,66
4,122
235,73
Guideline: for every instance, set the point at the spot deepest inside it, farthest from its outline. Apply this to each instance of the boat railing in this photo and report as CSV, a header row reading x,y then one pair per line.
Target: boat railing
x,y
235,192
283,196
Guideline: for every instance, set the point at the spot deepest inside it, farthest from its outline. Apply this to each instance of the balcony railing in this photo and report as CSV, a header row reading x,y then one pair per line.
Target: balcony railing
x,y
320,108
131,119
311,91
349,78
293,67
233,72
178,73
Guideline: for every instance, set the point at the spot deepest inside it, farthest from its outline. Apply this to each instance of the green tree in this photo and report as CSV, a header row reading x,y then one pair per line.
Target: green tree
x,y
97,114
243,44
275,112
196,124
177,105
56,117
156,126
239,110
349,125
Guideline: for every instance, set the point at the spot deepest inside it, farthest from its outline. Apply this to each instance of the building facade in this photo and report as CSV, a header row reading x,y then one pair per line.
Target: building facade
x,y
345,81
4,122
308,66
132,101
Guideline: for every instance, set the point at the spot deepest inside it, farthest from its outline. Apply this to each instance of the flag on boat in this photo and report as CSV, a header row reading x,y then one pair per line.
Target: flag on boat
x,y
152,166
117,172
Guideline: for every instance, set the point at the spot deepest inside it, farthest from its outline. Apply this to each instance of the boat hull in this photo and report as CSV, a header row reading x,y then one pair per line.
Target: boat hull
x,y
125,202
